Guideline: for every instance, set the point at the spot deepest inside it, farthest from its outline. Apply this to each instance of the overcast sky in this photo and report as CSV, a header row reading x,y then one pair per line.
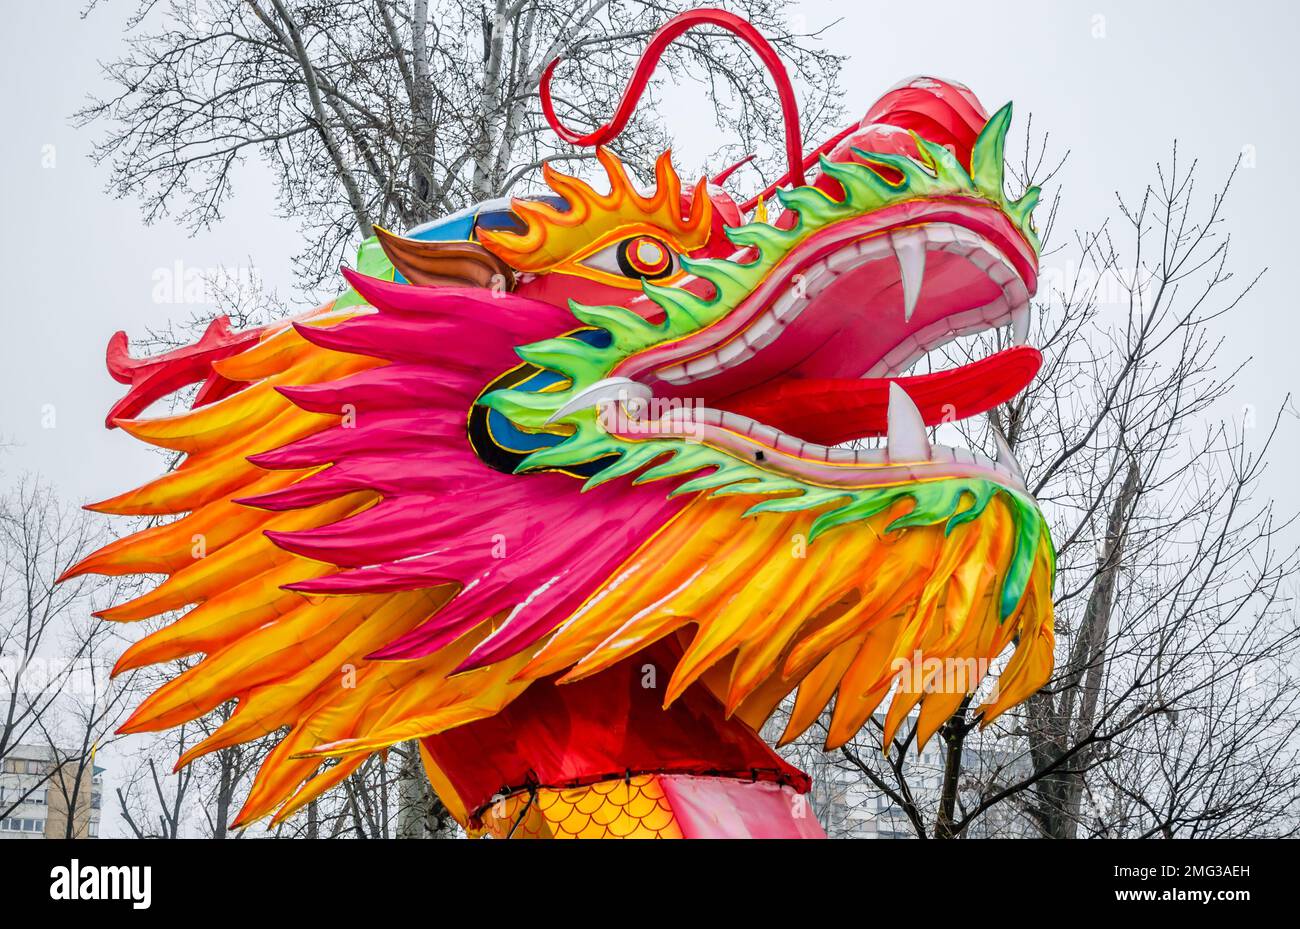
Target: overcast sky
x,y
1114,82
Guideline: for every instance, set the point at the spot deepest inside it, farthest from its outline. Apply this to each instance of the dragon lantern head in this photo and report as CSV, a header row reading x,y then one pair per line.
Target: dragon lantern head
x,y
551,436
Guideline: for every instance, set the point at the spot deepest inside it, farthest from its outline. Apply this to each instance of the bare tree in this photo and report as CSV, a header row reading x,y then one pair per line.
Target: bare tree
x,y
51,652
394,112
387,797
151,803
1174,709
85,723
162,800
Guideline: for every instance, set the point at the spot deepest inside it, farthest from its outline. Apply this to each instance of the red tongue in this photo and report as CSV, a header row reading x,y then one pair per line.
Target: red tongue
x,y
831,411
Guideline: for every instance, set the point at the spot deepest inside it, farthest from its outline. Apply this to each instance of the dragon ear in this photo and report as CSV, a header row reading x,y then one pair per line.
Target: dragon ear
x,y
445,264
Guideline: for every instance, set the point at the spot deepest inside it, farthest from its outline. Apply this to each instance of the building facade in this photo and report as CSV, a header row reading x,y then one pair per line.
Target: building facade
x,y
42,798
850,806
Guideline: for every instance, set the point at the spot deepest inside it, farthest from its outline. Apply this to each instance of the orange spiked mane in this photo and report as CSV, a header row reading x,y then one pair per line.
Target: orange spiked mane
x,y
554,237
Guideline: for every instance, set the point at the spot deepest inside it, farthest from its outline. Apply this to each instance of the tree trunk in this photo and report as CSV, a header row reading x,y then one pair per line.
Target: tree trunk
x,y
1061,791
420,814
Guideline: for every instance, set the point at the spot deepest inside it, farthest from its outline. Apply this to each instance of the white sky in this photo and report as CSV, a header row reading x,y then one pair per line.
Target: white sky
x,y
79,265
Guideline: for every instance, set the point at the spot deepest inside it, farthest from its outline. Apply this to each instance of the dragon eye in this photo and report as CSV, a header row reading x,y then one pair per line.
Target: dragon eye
x,y
641,257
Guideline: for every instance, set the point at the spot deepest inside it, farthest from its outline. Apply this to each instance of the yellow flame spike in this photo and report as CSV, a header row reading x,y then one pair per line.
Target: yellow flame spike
x,y
883,593
278,777
266,654
397,615
274,652
170,547
222,471
282,348
763,701
722,634
335,713
219,424
816,689
317,786
690,595
823,571
904,701
971,583
876,616
248,556
226,617
272,706
860,691
433,703
187,488
668,186
1031,665
936,708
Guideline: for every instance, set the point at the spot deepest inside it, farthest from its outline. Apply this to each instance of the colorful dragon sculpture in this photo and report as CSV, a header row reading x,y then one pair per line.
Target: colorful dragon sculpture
x,y
559,488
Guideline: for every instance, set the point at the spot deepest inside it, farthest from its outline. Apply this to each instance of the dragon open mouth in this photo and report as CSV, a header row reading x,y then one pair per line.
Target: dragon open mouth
x,y
918,276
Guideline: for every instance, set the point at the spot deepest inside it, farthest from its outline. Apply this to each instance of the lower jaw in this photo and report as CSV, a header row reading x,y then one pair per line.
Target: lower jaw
x,y
819,465
783,454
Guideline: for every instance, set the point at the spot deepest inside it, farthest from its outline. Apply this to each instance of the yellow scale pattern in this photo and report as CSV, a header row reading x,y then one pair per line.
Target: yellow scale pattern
x,y
634,808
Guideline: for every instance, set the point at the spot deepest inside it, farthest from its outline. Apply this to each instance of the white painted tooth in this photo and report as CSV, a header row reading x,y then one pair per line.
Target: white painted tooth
x,y
788,305
816,278
789,444
846,259
611,388
762,331
1001,273
702,365
1016,291
734,422
764,435
733,351
933,334
968,321
871,456
875,248
997,312
1020,325
909,249
982,258
1006,457
906,364
940,233
907,438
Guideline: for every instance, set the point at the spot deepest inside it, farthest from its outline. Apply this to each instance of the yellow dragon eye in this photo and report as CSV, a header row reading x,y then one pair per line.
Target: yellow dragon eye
x,y
641,257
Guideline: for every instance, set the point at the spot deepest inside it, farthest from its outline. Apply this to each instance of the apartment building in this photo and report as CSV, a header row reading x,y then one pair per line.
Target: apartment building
x,y
848,805
39,796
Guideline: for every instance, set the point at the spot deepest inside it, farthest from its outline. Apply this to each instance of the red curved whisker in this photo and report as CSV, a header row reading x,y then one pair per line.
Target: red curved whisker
x,y
645,69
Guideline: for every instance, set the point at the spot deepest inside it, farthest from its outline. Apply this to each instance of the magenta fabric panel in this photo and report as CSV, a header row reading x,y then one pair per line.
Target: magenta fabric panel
x,y
726,808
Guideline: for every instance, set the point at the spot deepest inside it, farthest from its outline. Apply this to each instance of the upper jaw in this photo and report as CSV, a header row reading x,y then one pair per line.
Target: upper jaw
x,y
914,239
